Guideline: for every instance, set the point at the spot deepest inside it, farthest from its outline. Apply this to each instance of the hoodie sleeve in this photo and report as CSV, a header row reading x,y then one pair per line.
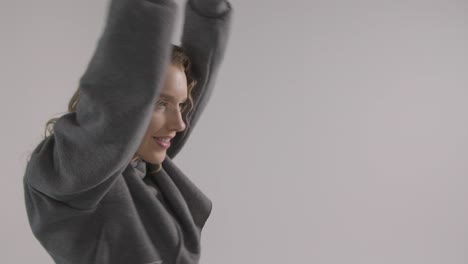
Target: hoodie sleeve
x,y
92,146
205,36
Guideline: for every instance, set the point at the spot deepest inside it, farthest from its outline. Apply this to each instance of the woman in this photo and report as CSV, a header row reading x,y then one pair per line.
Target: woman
x,y
102,188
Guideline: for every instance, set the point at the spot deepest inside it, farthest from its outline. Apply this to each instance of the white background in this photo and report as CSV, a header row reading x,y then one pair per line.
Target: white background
x,y
337,132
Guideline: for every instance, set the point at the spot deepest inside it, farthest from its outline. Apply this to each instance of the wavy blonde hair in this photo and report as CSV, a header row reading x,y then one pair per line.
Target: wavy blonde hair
x,y
178,58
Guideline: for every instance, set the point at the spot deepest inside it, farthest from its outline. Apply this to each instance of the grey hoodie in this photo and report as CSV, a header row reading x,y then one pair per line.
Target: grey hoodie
x,y
86,201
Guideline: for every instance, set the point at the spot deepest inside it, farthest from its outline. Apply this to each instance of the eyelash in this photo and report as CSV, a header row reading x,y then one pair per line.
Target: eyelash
x,y
163,103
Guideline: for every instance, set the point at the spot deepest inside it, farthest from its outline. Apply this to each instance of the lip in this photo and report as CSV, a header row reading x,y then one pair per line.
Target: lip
x,y
164,145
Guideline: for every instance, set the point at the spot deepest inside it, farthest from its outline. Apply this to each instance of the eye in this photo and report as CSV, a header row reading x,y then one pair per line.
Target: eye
x,y
183,106
161,103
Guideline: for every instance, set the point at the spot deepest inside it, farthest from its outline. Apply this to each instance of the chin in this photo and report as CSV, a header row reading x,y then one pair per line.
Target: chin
x,y
157,158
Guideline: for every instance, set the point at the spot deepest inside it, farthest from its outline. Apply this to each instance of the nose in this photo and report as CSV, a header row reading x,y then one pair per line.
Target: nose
x,y
177,123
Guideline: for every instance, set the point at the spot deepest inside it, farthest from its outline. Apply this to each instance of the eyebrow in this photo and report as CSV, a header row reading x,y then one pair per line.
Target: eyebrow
x,y
170,97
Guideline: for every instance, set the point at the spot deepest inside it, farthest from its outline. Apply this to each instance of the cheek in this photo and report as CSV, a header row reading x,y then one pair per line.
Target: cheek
x,y
156,122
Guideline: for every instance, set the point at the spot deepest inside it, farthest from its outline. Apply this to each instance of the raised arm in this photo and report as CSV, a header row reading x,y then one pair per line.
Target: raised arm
x,y
92,146
205,35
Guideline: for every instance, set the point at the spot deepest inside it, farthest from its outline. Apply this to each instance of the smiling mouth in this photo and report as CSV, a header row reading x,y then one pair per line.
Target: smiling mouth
x,y
163,142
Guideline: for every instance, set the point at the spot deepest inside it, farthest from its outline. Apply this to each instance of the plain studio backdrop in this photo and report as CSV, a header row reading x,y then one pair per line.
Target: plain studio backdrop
x,y
337,132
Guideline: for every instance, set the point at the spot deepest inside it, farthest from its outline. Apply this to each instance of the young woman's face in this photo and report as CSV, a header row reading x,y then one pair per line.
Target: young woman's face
x,y
166,119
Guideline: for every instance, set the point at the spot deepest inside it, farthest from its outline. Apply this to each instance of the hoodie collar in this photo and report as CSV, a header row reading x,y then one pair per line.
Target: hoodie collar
x,y
139,168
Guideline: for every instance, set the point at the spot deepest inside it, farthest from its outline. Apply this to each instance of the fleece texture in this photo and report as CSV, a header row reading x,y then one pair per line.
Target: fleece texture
x,y
86,201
